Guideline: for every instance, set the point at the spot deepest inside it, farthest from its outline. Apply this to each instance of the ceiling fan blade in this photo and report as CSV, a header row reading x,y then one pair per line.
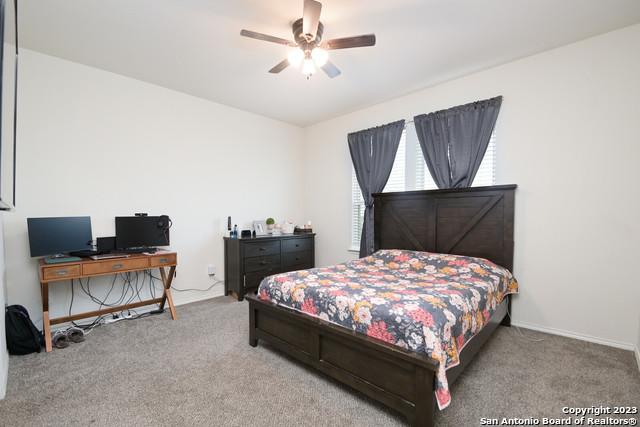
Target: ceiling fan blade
x,y
331,70
349,42
279,67
266,38
311,17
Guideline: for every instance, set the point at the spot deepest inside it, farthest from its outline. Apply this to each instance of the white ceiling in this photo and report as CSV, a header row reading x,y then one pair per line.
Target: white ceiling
x,y
194,46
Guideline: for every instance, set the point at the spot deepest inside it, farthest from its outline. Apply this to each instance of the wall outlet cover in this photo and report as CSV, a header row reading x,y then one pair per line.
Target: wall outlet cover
x,y
211,270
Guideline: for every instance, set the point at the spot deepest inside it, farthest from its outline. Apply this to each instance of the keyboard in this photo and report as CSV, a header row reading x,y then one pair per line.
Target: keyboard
x,y
108,256
138,250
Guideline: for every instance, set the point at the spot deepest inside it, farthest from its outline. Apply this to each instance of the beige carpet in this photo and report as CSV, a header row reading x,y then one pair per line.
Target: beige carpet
x,y
200,371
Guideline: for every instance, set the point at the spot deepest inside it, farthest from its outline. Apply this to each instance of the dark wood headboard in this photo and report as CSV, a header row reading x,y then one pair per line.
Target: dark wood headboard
x,y
475,221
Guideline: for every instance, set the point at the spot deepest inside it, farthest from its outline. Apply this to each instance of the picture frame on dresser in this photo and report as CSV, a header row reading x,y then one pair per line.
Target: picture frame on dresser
x,y
249,260
260,227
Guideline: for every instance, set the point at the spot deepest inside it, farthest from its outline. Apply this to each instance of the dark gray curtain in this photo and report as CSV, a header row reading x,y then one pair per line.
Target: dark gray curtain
x,y
454,141
373,152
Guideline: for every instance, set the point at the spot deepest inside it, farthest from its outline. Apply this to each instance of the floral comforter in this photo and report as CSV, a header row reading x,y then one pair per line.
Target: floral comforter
x,y
424,302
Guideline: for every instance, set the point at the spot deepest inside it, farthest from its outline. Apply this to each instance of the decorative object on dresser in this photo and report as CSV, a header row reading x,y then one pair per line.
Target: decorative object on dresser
x,y
287,227
260,227
270,223
248,261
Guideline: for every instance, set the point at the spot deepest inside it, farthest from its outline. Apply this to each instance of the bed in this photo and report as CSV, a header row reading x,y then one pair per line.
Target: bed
x,y
401,325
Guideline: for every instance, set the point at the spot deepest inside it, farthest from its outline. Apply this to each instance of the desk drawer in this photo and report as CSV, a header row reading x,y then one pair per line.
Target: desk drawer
x,y
61,272
295,245
167,259
261,248
113,266
267,264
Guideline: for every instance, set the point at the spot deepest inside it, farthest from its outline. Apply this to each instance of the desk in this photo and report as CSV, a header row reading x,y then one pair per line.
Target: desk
x,y
86,268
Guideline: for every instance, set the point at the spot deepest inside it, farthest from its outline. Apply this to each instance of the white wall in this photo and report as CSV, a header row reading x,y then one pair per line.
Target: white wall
x,y
4,356
95,143
568,135
638,345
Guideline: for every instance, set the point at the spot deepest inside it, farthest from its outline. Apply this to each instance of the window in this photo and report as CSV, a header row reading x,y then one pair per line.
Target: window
x,y
410,172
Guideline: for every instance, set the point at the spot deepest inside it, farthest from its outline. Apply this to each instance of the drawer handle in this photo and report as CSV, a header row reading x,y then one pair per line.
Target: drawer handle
x,y
261,249
61,272
164,260
297,245
297,258
263,262
117,266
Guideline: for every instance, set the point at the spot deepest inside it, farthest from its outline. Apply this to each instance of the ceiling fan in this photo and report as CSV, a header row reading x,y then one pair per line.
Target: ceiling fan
x,y
309,50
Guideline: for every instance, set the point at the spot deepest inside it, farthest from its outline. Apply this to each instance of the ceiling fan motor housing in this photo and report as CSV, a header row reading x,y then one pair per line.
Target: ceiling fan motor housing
x,y
302,39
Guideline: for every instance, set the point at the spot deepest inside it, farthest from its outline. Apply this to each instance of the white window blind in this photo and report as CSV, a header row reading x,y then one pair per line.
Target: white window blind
x,y
410,172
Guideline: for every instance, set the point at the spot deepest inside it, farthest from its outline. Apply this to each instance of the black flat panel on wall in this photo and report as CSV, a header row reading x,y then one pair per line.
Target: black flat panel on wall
x,y
8,91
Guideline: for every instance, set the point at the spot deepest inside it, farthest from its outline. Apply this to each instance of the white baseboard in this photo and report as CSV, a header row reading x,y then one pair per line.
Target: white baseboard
x,y
638,355
582,337
188,297
4,373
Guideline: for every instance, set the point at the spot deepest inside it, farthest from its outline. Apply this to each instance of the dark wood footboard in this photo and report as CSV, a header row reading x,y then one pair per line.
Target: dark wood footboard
x,y
397,378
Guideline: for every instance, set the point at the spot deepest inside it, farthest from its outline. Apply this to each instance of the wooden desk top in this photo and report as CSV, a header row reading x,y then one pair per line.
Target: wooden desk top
x,y
88,267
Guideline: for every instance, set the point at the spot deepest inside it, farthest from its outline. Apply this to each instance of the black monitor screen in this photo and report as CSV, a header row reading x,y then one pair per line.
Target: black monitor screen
x,y
52,236
140,231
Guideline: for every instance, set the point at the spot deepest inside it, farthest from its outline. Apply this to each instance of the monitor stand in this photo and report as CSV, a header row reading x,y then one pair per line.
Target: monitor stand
x,y
60,258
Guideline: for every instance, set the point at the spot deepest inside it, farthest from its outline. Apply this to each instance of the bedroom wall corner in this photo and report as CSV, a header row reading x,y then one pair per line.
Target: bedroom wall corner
x,y
4,356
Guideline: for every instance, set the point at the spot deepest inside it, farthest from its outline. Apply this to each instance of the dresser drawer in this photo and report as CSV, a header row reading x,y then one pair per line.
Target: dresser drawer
x,y
266,264
167,259
115,265
296,245
261,248
296,259
61,272
252,280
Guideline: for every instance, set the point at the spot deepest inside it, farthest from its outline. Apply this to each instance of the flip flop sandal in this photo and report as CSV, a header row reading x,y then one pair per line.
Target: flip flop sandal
x,y
76,335
60,340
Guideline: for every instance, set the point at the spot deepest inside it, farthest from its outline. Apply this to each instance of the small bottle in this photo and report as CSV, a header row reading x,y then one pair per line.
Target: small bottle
x,y
235,231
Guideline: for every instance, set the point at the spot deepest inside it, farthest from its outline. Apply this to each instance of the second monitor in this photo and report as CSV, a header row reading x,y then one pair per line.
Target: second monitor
x,y
142,231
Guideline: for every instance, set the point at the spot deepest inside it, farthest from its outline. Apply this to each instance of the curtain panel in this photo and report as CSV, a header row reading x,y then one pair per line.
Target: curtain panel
x,y
454,141
373,152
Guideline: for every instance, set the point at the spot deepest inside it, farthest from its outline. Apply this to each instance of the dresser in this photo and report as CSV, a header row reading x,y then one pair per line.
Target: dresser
x,y
247,261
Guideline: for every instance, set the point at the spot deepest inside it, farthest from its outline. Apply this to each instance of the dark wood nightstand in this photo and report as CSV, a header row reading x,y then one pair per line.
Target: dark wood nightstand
x,y
247,261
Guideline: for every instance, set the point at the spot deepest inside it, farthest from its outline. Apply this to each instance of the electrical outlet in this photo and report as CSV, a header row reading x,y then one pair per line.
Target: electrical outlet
x,y
211,270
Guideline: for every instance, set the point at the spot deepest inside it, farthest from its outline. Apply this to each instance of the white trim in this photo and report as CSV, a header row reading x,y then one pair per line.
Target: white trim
x,y
581,337
4,374
638,355
352,249
215,292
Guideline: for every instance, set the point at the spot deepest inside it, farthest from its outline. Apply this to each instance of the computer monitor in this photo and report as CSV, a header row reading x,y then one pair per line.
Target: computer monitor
x,y
141,231
59,235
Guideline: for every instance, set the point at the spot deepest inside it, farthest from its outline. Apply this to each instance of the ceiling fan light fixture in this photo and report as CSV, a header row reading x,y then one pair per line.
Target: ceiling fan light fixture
x,y
295,57
320,56
308,67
